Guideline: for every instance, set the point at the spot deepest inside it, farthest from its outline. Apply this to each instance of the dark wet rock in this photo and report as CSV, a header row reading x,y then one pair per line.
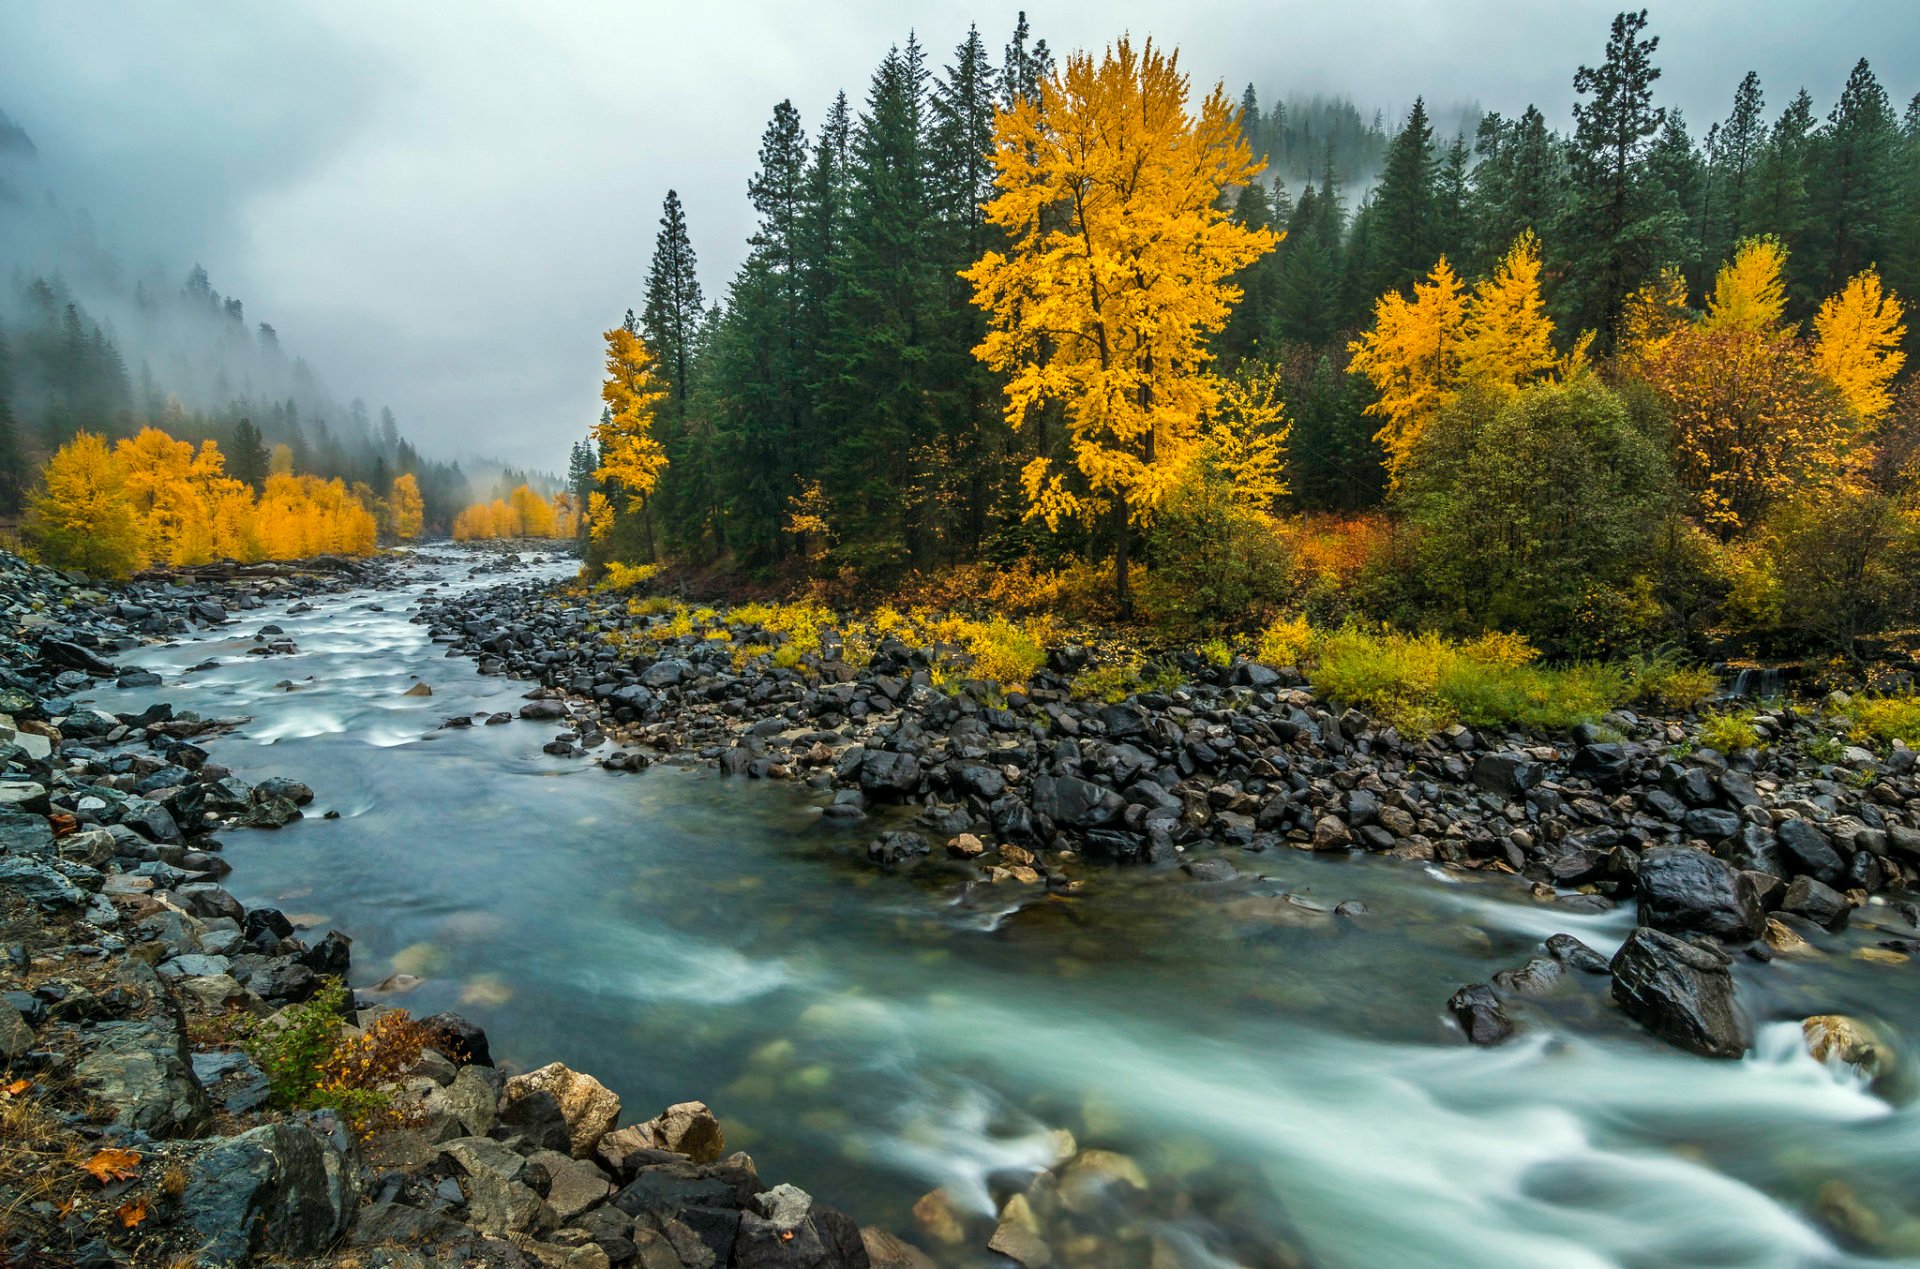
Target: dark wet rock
x,y
1537,977
898,847
274,787
1809,850
1574,954
461,1041
1506,774
1679,991
887,775
1210,870
1482,1018
64,653
1072,802
280,1189
1816,901
1691,892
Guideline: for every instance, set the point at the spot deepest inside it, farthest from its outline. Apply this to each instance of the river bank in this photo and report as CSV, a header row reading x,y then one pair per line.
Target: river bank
x,y
139,1131
1027,791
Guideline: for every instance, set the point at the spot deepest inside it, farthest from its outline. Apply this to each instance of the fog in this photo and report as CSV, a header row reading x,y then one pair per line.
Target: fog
x,y
440,206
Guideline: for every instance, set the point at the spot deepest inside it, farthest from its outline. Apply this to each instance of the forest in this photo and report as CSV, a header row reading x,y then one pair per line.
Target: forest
x,y
1072,335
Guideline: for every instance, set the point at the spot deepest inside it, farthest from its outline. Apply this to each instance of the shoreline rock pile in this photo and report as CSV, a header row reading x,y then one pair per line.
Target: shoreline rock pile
x,y
139,1133
1753,853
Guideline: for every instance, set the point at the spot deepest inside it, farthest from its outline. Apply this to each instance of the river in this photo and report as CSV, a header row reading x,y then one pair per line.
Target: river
x,y
1283,1076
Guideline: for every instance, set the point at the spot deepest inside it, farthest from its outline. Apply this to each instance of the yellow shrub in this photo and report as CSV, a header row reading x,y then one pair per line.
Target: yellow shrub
x,y
1288,641
620,576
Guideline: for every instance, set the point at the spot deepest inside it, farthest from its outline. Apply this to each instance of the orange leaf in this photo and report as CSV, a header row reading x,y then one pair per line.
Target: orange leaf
x,y
132,1212
18,1087
113,1164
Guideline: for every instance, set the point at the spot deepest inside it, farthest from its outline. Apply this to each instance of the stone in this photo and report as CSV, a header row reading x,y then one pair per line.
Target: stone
x,y
1210,870
1574,954
1071,802
280,1189
1021,1245
1537,977
1850,1042
884,774
1680,992
460,1040
589,1108
1816,901
141,1070
688,1128
1809,850
39,884
886,1251
1093,1175
1481,1017
16,1037
1506,774
574,1186
1687,891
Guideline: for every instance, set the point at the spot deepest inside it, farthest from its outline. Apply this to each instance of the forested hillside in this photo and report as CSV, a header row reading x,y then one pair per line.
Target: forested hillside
x,y
841,413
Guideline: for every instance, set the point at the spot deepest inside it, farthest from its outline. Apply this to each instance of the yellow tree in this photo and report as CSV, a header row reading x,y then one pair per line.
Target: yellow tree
x,y
1653,315
1857,336
81,516
1507,338
1412,356
631,457
406,510
1752,417
1109,191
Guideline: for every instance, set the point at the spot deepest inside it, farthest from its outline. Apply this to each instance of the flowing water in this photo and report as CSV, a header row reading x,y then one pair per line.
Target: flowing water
x,y
1284,1077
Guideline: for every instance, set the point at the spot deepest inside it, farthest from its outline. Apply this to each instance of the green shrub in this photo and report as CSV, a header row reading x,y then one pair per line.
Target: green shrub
x,y
1729,732
1666,680
1881,720
313,1061
1109,683
1217,653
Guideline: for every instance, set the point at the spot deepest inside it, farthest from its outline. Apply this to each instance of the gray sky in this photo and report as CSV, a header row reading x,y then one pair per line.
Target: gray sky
x,y
441,205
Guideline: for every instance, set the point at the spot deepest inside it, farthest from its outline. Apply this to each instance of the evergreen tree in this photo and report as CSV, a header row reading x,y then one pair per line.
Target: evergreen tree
x,y
13,459
1620,230
1520,183
1676,168
1776,201
1023,68
1741,142
674,307
1854,194
247,455
1403,219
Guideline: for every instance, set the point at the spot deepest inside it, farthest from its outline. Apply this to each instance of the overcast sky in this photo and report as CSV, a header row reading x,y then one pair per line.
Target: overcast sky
x,y
441,205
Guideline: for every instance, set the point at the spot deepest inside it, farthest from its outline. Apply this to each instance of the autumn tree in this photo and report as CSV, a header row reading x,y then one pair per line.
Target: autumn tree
x,y
1752,415
631,457
1857,343
1422,353
81,516
1116,274
406,512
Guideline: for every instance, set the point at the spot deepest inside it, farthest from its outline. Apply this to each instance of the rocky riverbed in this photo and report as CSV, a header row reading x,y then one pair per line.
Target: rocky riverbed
x,y
1032,792
137,1132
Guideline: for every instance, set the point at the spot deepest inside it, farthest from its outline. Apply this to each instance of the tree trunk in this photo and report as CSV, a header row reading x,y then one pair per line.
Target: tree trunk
x,y
1122,539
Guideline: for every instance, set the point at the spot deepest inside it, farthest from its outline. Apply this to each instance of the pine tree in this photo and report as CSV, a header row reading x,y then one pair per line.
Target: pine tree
x,y
1023,67
1740,144
13,459
1776,200
248,459
1620,228
1404,225
674,307
1851,200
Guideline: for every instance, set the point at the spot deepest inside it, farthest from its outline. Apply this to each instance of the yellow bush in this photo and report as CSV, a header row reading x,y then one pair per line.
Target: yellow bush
x,y
1728,732
619,577
1881,720
1286,642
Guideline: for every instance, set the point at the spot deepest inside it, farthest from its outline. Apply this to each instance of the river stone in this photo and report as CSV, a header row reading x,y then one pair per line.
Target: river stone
x,y
1021,1245
1481,1017
572,1185
23,833
589,1108
280,1189
1837,1037
1809,850
1691,892
1092,1174
16,1037
1071,802
141,1069
1819,903
1507,774
889,774
886,1251
687,1128
1680,992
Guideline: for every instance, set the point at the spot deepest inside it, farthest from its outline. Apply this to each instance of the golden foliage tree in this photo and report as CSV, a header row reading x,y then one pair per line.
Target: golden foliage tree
x,y
1857,336
1109,189
1421,353
630,455
81,516
1752,416
406,510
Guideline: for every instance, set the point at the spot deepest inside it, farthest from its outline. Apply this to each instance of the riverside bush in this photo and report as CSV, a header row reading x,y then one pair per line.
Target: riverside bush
x,y
1729,732
1881,720
313,1061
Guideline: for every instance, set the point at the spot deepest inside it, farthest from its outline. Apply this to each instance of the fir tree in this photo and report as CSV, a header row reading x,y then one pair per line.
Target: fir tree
x,y
674,307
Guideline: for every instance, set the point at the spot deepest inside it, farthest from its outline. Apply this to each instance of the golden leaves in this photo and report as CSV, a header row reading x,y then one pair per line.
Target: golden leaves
x,y
406,510
630,455
112,1164
523,513
1857,343
1109,189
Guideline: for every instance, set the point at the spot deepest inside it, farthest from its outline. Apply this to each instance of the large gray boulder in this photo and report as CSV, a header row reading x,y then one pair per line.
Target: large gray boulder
x,y
1685,891
141,1069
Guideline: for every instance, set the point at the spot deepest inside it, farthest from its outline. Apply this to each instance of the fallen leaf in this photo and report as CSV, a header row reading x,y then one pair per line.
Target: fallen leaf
x,y
63,824
18,1087
132,1212
113,1164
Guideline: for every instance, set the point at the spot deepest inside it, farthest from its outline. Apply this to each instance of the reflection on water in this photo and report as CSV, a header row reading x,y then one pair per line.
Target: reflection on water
x,y
1282,1075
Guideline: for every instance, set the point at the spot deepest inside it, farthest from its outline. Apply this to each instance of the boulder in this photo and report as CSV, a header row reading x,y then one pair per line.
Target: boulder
x,y
1481,1017
141,1070
588,1107
1506,774
1685,891
1071,802
280,1190
1681,992
1809,850
687,1128
886,774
